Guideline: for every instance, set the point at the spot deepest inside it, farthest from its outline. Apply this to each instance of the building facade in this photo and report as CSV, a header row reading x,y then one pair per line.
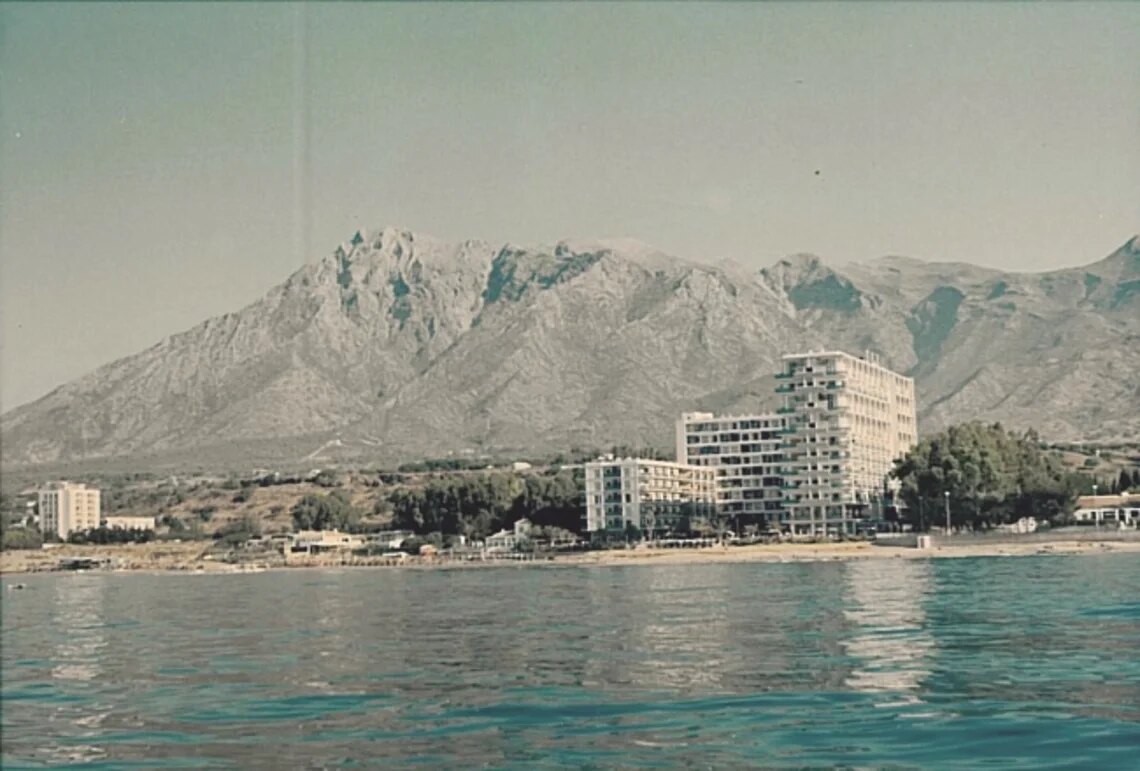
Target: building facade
x,y
65,507
316,541
129,523
652,495
1121,510
848,419
508,540
746,453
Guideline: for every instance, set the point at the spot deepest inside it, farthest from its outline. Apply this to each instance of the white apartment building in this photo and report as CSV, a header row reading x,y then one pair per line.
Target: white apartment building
x,y
652,495
746,452
849,418
66,507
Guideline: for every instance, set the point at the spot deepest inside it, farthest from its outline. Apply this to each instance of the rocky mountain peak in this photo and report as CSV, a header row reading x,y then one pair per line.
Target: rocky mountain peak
x,y
1124,263
809,284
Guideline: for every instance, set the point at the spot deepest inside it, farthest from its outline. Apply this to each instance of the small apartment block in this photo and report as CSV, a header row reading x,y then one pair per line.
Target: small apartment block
x,y
849,418
652,495
746,453
65,508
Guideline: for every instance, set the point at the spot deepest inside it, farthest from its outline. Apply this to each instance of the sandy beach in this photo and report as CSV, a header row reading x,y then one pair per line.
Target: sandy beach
x,y
196,557
816,552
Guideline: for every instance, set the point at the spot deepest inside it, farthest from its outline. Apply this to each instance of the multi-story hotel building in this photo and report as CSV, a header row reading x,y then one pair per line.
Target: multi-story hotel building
x,y
746,452
849,418
65,507
652,495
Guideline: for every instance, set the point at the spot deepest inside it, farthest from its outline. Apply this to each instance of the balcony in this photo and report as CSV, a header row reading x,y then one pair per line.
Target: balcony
x,y
785,410
784,375
785,388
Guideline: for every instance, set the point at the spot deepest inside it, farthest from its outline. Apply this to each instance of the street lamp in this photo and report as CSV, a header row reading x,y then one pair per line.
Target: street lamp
x,y
946,495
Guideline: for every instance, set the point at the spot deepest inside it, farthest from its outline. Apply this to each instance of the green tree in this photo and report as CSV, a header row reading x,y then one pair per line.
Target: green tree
x,y
632,533
991,476
21,538
332,511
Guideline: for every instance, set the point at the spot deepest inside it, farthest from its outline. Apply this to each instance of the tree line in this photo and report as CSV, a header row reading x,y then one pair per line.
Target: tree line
x,y
988,475
472,506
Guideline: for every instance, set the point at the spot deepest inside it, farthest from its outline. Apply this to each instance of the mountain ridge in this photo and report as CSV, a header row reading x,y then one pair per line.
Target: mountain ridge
x,y
401,345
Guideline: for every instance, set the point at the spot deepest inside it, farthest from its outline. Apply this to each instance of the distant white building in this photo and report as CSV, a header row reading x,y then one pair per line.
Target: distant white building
x,y
1023,526
128,523
652,495
325,540
67,507
507,540
1123,509
389,539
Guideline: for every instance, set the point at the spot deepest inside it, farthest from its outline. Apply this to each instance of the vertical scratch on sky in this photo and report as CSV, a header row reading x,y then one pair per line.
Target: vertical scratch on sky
x,y
302,164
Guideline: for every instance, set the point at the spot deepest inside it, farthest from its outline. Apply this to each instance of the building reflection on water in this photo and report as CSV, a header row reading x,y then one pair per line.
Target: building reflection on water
x,y
79,648
889,640
680,630
657,628
79,612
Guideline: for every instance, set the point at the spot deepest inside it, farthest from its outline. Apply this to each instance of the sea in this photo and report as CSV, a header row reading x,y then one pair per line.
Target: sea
x,y
1015,662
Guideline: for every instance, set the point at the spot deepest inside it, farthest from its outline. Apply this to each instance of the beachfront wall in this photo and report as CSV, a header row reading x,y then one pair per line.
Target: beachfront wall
x,y
651,495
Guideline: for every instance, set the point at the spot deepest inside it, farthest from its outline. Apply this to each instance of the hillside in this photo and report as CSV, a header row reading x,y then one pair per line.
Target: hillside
x,y
398,346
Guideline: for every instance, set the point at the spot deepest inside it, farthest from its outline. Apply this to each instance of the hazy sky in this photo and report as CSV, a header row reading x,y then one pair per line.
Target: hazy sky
x,y
160,164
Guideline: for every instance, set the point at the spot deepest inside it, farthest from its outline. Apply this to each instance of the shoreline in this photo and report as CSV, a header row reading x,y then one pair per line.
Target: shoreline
x,y
190,559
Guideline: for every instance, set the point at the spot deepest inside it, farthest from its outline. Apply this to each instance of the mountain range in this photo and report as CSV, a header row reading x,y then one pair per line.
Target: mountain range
x,y
399,346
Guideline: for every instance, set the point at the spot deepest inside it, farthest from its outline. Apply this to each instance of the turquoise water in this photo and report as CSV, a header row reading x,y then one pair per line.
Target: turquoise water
x,y
968,663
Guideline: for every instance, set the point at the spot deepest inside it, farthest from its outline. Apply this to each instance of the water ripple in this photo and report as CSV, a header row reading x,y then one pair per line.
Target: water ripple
x,y
1015,663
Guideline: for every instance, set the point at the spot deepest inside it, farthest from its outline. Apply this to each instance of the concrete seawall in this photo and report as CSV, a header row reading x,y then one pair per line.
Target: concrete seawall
x,y
1053,535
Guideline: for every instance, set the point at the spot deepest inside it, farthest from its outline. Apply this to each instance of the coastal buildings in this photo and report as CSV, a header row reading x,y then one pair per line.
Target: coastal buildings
x,y
389,539
848,418
128,523
746,453
1119,510
507,540
317,541
653,496
67,507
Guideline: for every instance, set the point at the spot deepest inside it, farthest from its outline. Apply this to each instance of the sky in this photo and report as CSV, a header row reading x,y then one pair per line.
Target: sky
x,y
162,164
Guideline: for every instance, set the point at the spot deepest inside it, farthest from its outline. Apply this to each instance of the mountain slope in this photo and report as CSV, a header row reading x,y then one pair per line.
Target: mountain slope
x,y
398,345
1056,351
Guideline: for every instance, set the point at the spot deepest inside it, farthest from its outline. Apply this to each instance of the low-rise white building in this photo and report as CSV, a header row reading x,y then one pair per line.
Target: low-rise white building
x,y
389,539
128,523
1022,526
507,540
1123,509
655,496
325,540
67,507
